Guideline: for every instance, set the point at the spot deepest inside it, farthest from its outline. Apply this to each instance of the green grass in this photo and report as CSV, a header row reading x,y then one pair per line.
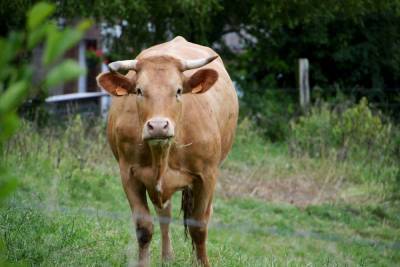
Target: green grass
x,y
70,210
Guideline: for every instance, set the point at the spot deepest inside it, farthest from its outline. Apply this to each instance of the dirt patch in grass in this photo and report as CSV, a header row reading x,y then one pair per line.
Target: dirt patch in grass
x,y
297,190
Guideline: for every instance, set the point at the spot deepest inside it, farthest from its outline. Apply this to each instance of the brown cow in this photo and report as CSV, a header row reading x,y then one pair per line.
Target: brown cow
x,y
171,124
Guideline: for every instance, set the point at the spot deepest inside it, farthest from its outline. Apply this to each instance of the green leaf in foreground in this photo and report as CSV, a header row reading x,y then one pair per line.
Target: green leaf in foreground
x,y
66,71
36,35
58,42
84,25
8,124
39,13
8,50
13,96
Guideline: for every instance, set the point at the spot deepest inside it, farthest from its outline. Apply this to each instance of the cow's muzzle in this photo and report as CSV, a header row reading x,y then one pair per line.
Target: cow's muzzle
x,y
158,128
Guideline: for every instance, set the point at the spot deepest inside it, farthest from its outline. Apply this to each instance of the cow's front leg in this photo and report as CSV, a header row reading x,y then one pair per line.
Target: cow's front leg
x,y
136,194
164,216
202,192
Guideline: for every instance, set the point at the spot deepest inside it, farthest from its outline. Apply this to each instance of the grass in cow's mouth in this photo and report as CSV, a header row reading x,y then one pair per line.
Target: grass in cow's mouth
x,y
160,141
70,207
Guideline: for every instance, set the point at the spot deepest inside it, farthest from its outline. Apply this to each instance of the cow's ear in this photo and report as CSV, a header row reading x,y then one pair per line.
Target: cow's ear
x,y
200,81
115,83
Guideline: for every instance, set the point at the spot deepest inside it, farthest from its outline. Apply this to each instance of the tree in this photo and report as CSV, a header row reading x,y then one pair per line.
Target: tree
x,y
352,45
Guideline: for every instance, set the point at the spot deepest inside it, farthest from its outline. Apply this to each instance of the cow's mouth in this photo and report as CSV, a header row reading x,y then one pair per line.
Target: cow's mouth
x,y
159,140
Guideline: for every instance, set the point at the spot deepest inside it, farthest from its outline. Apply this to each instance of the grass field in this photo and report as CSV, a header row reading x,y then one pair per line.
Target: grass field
x,y
270,209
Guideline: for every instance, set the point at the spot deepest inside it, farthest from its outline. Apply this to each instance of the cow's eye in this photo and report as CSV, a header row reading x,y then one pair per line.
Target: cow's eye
x,y
179,92
139,92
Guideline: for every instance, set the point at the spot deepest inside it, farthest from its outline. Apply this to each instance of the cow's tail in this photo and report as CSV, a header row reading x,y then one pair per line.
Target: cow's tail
x,y
187,207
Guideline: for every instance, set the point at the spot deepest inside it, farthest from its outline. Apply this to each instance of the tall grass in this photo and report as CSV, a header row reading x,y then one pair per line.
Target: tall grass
x,y
70,208
72,157
355,136
324,153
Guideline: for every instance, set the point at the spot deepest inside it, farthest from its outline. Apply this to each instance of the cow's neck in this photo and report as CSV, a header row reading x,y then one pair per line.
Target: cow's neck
x,y
159,157
164,179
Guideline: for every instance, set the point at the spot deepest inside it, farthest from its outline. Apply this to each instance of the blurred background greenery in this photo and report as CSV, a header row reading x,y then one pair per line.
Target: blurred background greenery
x,y
331,170
352,46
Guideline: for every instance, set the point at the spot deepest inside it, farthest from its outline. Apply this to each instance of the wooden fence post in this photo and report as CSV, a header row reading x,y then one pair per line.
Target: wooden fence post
x,y
304,85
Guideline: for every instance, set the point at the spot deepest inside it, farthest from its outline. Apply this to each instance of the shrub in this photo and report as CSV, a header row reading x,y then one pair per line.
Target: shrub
x,y
362,131
312,134
270,111
353,133
355,130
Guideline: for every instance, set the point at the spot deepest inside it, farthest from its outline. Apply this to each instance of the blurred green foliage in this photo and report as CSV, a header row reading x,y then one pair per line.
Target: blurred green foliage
x,y
17,73
352,45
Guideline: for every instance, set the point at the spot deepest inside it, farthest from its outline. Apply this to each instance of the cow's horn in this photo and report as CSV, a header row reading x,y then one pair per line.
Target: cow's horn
x,y
123,65
196,63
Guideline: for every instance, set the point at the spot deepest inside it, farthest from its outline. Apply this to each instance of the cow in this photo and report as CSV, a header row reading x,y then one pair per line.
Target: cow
x,y
171,124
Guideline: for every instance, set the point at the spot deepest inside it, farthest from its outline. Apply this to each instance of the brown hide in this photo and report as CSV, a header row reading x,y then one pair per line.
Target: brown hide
x,y
204,123
204,133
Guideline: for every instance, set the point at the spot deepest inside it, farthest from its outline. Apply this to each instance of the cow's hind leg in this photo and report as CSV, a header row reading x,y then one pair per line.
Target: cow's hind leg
x,y
164,216
136,194
202,209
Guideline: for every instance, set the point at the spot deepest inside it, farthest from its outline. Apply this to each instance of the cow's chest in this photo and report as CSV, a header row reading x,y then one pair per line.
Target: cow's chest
x,y
161,187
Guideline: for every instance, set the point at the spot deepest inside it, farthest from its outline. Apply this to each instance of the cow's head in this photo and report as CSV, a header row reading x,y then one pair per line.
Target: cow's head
x,y
159,85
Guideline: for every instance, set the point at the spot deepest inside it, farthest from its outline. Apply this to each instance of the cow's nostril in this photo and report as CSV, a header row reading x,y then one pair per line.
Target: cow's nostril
x,y
166,125
158,128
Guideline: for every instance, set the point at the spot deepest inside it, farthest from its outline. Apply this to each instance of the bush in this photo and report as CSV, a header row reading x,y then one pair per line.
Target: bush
x,y
360,130
312,134
355,130
270,111
354,133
